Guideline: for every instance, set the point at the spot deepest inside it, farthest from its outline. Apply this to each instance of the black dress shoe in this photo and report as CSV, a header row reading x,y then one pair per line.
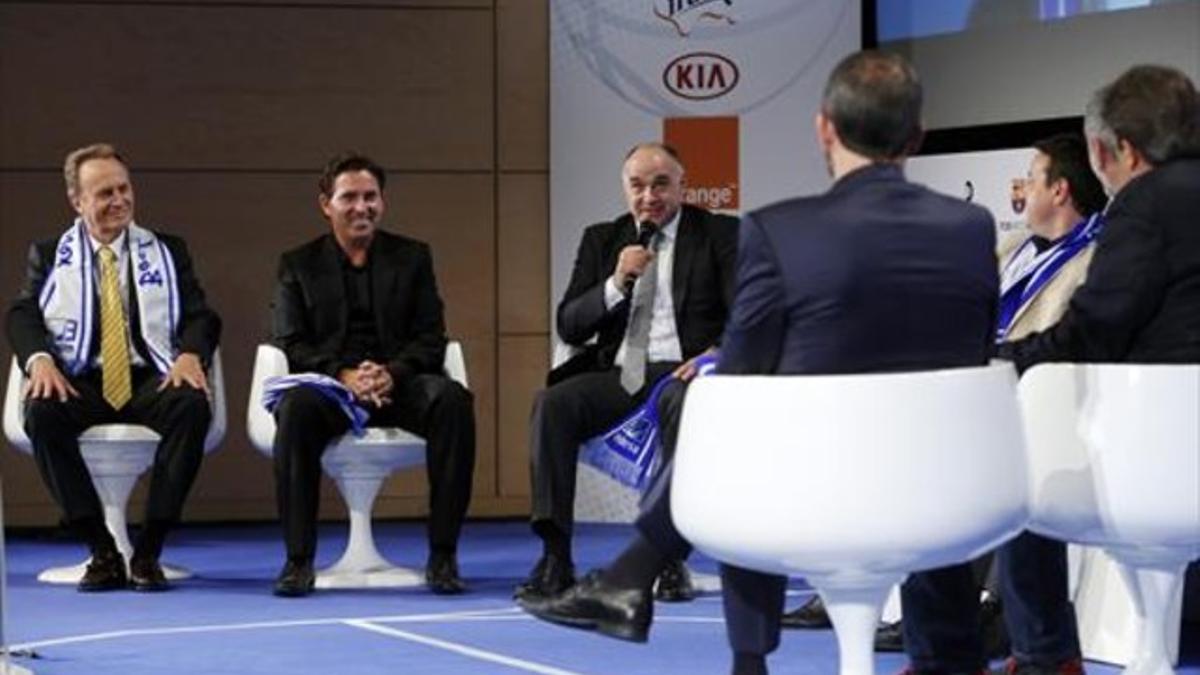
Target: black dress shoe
x,y
810,615
441,574
675,583
889,637
550,576
147,575
105,572
296,579
593,603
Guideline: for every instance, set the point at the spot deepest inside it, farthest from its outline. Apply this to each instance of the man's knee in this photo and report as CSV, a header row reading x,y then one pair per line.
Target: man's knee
x,y
42,414
299,403
452,396
190,405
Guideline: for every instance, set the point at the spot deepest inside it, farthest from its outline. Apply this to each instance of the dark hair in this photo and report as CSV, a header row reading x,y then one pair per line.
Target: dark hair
x,y
348,161
1154,108
1069,162
874,101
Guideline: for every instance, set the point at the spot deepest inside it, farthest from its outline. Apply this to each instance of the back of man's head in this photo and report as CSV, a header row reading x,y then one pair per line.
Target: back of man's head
x,y
1154,108
1068,160
873,100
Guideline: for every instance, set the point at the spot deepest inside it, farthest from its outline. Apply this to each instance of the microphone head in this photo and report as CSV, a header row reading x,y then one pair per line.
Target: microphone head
x,y
646,231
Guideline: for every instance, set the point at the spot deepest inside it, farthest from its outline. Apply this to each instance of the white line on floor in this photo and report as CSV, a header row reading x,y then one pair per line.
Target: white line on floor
x,y
208,628
464,650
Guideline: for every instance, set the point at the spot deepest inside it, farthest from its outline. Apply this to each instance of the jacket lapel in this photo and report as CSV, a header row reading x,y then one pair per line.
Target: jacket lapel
x,y
687,244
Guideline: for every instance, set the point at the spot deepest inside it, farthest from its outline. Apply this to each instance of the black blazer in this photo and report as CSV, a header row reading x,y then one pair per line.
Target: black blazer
x,y
1141,300
701,288
876,275
310,316
199,326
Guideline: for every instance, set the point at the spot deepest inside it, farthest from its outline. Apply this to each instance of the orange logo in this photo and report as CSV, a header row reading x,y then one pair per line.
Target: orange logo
x,y
709,149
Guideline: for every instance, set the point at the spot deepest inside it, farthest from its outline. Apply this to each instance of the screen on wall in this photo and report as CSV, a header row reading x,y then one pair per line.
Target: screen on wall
x,y
1006,61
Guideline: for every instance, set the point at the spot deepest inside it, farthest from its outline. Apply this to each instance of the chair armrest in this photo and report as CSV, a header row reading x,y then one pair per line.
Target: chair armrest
x,y
14,408
456,364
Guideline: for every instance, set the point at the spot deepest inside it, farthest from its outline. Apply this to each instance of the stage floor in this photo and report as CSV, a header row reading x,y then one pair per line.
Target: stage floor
x,y
225,620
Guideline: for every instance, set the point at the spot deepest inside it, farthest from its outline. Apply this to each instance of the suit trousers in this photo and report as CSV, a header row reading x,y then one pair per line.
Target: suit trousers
x,y
180,415
432,406
564,416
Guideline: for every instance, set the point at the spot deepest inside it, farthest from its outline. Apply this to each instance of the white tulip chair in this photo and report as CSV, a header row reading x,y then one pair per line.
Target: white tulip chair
x,y
851,481
1115,463
116,455
358,465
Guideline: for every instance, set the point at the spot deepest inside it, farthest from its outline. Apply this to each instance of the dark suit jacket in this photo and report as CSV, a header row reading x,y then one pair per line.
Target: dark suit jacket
x,y
877,274
1141,299
199,327
701,288
310,316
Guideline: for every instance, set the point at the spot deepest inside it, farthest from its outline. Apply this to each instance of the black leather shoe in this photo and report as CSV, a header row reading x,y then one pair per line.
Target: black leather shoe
x,y
105,572
296,579
147,575
550,576
441,574
593,603
889,637
675,583
1014,667
810,615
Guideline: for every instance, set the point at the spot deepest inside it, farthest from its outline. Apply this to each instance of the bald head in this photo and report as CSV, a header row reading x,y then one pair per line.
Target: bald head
x,y
652,179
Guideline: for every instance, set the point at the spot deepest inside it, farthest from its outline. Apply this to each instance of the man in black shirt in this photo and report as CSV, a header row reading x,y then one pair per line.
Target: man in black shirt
x,y
361,305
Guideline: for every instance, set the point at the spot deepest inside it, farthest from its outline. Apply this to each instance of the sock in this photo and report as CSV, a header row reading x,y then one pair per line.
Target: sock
x,y
749,664
637,566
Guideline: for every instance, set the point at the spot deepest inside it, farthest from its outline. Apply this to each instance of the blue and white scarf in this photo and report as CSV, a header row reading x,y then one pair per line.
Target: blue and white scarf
x,y
628,453
1028,271
275,387
69,297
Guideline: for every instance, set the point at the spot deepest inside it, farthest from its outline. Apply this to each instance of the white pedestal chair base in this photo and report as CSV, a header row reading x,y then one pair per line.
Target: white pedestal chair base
x,y
359,467
13,669
115,468
1105,612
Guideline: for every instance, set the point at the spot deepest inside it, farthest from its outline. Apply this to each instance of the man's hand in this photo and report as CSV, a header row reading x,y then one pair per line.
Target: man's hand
x,y
370,382
688,369
187,369
630,265
47,381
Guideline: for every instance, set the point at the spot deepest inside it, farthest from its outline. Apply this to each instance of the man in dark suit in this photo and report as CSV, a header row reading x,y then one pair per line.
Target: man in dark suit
x,y
103,342
1140,303
652,288
361,305
875,275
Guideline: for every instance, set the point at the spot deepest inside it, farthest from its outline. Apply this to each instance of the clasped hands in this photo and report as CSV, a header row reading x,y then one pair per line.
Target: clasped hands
x,y
370,383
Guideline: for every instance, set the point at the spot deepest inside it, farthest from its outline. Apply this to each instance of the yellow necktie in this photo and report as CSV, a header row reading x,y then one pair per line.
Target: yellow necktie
x,y
114,345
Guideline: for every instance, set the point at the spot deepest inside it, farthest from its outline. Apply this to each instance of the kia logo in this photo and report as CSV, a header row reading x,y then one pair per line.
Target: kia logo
x,y
700,76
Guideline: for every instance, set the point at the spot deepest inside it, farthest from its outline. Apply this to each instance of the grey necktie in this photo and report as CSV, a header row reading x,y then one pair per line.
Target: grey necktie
x,y
637,332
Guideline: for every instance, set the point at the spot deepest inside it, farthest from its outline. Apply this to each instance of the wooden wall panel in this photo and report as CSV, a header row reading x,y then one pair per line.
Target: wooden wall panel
x,y
218,86
524,254
523,80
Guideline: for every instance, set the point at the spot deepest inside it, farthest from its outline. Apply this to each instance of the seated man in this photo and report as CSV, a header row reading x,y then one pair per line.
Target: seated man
x,y
653,288
361,305
112,326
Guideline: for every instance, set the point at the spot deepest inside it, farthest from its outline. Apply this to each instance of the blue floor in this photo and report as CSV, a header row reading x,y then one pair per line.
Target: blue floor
x,y
225,620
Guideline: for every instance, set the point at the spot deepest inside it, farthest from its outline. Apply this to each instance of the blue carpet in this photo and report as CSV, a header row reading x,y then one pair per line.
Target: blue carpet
x,y
225,620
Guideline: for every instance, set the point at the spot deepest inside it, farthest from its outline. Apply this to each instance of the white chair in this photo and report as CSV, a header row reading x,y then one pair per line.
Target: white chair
x,y
358,466
948,441
1115,463
116,455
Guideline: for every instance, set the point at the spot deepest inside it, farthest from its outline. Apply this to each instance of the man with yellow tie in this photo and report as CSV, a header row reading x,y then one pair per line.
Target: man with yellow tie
x,y
110,326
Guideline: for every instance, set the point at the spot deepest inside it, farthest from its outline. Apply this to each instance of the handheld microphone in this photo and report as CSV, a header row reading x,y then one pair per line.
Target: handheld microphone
x,y
646,233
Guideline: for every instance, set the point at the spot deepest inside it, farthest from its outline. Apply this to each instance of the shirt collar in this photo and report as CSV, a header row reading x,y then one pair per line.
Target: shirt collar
x,y
667,232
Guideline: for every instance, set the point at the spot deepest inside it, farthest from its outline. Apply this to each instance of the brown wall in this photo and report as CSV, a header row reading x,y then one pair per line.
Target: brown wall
x,y
226,110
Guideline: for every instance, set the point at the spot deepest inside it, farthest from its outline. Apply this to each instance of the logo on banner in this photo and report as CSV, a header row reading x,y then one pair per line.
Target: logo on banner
x,y
685,14
709,149
700,76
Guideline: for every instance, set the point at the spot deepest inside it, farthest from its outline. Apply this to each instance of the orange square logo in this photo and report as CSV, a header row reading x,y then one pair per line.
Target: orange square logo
x,y
709,149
